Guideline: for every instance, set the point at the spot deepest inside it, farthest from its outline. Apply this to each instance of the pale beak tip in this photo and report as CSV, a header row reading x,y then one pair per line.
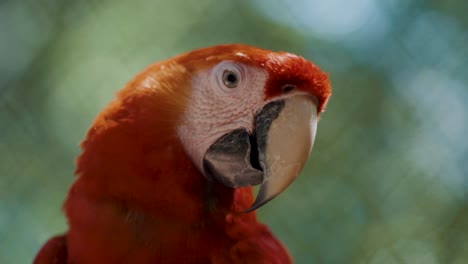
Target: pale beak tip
x,y
262,198
257,204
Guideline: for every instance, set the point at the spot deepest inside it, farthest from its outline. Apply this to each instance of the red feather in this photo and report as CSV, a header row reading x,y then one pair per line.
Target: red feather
x,y
140,199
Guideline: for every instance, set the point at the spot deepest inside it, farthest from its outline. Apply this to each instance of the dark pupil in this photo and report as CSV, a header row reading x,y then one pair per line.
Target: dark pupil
x,y
231,78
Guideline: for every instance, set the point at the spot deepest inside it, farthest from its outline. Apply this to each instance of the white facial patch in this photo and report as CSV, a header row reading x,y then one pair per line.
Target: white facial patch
x,y
216,107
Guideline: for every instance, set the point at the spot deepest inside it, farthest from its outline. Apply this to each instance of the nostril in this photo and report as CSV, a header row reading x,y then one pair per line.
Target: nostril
x,y
287,88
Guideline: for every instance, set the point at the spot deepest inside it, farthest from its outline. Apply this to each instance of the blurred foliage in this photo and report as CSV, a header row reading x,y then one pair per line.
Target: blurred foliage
x,y
388,178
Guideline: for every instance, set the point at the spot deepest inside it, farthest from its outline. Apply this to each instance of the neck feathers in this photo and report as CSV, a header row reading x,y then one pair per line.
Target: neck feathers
x,y
139,196
132,153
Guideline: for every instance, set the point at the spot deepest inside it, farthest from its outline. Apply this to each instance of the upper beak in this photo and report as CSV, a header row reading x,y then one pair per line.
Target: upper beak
x,y
273,155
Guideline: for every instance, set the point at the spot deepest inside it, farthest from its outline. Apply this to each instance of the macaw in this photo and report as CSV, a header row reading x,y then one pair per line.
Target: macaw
x,y
167,168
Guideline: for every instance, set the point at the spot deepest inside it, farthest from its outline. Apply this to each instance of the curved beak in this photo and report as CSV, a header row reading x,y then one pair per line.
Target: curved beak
x,y
272,156
289,141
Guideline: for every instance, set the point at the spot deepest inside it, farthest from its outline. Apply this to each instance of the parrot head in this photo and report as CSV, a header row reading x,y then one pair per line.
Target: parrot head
x,y
252,116
244,116
167,167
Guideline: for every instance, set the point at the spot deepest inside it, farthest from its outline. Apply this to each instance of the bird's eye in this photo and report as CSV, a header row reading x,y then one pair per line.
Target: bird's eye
x,y
230,79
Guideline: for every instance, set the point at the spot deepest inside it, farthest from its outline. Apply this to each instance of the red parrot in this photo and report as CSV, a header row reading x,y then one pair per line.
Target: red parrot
x,y
166,169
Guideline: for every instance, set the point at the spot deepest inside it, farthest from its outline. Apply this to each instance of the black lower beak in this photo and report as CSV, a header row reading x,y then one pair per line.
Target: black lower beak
x,y
235,159
273,155
228,160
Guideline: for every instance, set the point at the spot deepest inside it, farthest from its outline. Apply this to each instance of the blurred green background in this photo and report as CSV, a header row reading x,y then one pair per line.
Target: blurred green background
x,y
388,178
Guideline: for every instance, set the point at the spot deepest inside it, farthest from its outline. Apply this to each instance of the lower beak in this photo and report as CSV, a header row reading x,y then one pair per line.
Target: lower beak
x,y
272,156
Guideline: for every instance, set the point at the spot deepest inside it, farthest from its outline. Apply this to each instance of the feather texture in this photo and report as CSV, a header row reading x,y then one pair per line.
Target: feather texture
x,y
139,198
